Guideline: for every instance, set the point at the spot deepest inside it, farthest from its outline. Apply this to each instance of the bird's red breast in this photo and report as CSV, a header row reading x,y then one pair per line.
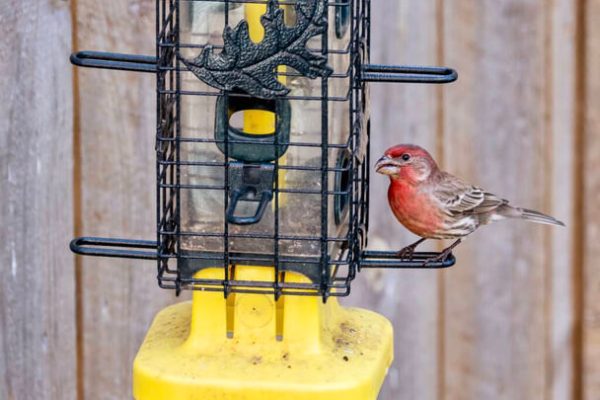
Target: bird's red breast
x,y
414,208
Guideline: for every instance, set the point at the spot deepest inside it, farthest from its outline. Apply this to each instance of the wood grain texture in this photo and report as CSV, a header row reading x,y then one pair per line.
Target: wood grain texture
x,y
403,32
561,153
496,333
37,326
591,200
117,129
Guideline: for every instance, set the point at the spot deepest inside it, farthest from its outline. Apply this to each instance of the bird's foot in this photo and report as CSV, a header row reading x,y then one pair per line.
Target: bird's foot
x,y
439,258
442,256
408,252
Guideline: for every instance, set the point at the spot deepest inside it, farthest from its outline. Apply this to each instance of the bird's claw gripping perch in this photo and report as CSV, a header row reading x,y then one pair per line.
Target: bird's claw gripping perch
x,y
439,258
408,252
443,255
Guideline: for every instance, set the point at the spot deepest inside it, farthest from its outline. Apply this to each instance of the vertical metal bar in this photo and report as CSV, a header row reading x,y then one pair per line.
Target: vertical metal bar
x,y
157,141
367,172
163,8
226,283
352,231
324,163
276,249
360,108
368,158
178,138
356,107
158,144
278,112
276,216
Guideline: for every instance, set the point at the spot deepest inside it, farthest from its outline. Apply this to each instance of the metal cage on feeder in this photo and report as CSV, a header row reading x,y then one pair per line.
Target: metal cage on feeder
x,y
262,175
262,144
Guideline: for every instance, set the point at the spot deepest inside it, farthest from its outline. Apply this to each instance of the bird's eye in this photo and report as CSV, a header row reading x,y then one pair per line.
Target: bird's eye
x,y
405,157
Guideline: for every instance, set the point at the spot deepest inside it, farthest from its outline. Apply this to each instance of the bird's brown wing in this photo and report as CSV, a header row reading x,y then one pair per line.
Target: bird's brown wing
x,y
459,198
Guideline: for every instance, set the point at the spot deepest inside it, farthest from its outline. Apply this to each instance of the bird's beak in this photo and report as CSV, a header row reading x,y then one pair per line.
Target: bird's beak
x,y
386,166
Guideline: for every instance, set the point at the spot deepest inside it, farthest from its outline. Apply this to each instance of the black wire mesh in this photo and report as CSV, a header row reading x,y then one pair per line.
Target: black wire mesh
x,y
319,191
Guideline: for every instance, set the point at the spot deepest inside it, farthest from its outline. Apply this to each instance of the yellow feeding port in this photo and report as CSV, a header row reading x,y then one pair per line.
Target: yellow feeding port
x,y
250,346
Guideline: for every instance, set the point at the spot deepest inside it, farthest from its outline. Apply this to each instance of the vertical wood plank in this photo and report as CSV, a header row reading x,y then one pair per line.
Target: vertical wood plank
x,y
404,32
117,129
496,124
37,326
561,77
591,198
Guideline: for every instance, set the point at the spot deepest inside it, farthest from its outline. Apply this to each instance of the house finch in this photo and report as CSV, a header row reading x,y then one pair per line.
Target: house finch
x,y
434,204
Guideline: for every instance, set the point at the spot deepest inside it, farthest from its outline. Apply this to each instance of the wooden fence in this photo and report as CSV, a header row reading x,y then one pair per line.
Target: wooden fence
x,y
517,318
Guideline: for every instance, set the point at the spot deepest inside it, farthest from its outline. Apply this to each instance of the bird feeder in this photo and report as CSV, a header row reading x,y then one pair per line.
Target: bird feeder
x,y
262,175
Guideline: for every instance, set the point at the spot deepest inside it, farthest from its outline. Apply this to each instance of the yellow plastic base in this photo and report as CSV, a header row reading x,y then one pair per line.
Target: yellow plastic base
x,y
252,347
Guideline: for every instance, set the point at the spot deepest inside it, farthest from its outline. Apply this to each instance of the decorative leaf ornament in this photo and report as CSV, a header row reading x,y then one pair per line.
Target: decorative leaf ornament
x,y
251,67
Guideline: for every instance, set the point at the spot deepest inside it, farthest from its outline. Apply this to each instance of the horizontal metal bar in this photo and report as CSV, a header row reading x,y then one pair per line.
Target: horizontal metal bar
x,y
221,164
254,235
407,73
116,61
184,139
389,259
105,247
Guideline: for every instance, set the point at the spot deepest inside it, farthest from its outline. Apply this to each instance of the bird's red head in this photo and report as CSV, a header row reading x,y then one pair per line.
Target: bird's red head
x,y
407,162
